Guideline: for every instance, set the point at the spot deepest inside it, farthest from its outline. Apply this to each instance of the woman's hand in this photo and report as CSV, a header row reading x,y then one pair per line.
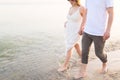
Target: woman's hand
x,y
65,24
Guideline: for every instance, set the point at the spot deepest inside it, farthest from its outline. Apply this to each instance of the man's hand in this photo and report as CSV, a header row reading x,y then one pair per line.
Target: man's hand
x,y
81,31
106,35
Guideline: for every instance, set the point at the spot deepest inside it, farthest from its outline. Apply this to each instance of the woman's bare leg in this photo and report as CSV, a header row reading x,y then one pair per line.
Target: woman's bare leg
x,y
77,47
65,64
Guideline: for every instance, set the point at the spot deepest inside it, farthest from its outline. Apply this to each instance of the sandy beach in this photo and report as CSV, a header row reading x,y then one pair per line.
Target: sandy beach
x,y
37,57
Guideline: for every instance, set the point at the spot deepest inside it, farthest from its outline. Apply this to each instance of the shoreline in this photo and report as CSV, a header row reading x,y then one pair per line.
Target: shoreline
x,y
35,58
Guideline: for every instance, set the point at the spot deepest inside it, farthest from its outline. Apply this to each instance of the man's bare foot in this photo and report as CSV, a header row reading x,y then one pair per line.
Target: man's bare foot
x,y
104,68
80,75
62,68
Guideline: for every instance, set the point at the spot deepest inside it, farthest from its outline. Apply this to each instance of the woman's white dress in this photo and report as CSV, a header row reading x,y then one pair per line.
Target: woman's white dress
x,y
71,31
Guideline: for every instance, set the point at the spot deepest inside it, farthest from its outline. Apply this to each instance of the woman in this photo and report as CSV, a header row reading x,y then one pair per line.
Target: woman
x,y
73,29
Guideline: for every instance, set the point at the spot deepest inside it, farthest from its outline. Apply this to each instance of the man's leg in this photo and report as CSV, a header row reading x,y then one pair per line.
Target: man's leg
x,y
86,43
99,46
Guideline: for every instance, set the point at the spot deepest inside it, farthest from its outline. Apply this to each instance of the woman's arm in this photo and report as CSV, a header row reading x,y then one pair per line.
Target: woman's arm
x,y
83,13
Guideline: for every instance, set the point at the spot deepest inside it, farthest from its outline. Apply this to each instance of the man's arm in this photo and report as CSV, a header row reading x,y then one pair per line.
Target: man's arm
x,y
109,23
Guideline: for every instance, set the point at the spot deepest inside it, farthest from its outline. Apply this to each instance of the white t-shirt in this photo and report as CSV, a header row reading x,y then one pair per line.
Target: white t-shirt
x,y
96,16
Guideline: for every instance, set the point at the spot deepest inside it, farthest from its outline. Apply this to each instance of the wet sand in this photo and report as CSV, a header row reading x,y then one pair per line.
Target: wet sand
x,y
36,58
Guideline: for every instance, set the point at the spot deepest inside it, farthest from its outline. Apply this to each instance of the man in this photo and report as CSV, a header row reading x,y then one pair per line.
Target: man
x,y
99,18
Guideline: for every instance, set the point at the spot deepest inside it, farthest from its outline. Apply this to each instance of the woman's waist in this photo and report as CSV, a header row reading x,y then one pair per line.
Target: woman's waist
x,y
74,22
77,24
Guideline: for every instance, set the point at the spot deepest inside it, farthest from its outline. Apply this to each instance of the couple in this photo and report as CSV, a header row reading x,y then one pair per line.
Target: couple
x,y
94,24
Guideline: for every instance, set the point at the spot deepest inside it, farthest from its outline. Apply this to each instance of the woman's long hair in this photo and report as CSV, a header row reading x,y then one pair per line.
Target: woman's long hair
x,y
78,2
